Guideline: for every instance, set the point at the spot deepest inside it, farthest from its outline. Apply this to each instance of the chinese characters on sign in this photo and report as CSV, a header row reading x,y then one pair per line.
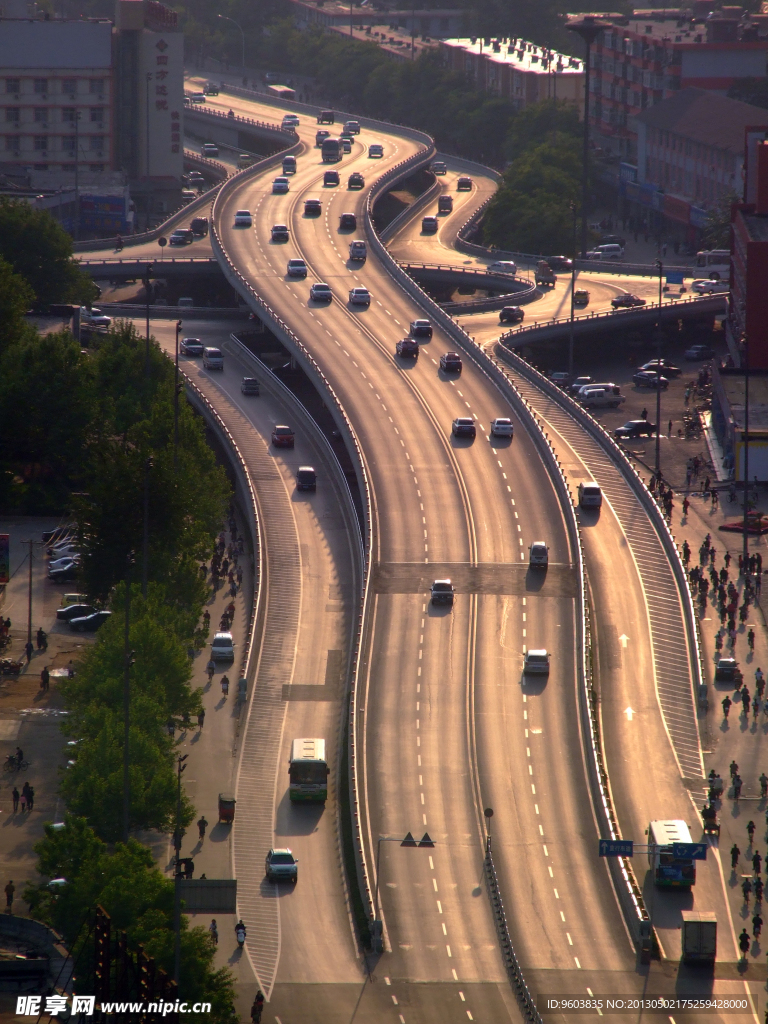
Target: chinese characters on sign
x,y
32,1006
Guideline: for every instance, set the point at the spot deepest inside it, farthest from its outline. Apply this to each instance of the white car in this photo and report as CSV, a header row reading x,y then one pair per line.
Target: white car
x,y
359,297
321,292
375,150
502,427
538,555
707,287
64,562
280,186
291,121
222,648
503,267
536,663
297,268
243,219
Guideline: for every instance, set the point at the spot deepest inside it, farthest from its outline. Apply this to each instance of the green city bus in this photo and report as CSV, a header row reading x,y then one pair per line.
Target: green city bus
x,y
308,770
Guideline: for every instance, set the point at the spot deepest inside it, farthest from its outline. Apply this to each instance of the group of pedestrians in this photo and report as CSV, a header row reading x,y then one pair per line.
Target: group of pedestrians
x,y
663,493
25,799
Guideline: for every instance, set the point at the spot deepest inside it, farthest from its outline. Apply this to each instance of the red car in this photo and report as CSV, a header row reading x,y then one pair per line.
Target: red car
x,y
282,436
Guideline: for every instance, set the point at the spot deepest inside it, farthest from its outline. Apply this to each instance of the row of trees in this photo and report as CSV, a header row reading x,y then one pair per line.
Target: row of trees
x,y
84,433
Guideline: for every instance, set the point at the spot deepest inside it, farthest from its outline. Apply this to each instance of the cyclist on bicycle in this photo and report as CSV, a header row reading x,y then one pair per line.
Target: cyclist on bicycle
x,y
19,757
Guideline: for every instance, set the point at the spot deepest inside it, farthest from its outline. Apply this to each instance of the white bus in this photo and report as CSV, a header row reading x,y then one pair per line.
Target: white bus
x,y
714,264
670,871
308,771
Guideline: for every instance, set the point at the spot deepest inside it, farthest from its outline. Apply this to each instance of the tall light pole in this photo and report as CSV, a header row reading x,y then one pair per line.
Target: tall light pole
x,y
745,548
573,286
180,768
176,403
660,269
589,28
238,25
127,663
77,174
145,540
146,141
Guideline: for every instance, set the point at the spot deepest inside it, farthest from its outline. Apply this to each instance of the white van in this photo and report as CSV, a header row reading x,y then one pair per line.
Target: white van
x,y
590,495
601,396
213,359
357,250
503,267
536,663
222,648
609,251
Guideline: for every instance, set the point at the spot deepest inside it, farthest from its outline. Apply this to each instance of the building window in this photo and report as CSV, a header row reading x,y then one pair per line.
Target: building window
x,y
68,144
12,115
41,87
12,144
41,115
96,168
40,143
97,114
13,86
68,115
96,87
97,142
69,86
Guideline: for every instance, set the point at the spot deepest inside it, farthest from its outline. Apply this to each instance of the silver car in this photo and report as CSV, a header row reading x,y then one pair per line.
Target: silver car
x,y
280,866
536,663
502,427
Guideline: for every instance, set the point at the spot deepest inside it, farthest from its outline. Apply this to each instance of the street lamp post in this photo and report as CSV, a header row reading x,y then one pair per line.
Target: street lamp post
x,y
573,286
148,272
127,663
145,542
660,269
180,768
745,546
589,28
77,174
242,34
176,403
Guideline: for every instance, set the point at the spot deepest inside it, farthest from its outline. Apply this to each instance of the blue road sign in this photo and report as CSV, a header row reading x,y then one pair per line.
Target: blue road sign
x,y
674,277
616,847
696,851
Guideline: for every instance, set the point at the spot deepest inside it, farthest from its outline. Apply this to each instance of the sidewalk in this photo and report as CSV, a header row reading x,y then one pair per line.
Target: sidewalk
x,y
739,738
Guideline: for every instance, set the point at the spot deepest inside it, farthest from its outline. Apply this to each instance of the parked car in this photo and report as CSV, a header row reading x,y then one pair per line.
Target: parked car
x,y
296,268
697,352
89,623
280,233
450,362
608,251
635,428
579,383
442,592
64,561
321,292
646,379
511,314
356,180
407,347
420,329
502,427
561,378
222,647
249,386
191,347
74,611
280,866
626,301
282,436
429,225
464,426
359,297
538,555
65,575
58,534
243,219
306,478
667,369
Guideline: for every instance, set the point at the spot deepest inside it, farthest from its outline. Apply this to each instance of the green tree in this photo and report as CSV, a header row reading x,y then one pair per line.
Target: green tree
x,y
717,230
138,899
15,298
38,248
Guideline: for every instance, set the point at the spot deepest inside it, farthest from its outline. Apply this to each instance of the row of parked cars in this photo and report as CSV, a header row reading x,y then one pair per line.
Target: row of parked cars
x,y
62,546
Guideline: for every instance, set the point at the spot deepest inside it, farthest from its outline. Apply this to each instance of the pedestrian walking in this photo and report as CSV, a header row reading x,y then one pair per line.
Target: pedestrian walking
x,y
202,825
686,545
763,780
755,707
735,854
23,800
715,500
686,506
706,490
29,650
10,889
727,559
70,669
726,705
210,668
201,719
757,862
751,827
225,685
171,727
737,784
45,679
31,798
746,888
213,931
751,638
207,620
239,575
42,639
15,796
744,943
759,890
757,925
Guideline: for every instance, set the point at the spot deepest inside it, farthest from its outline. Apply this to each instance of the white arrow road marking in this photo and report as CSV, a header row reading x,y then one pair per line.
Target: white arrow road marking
x,y
623,638
629,713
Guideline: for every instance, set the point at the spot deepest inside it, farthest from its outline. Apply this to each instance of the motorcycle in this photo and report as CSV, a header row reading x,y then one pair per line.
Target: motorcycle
x,y
240,934
230,113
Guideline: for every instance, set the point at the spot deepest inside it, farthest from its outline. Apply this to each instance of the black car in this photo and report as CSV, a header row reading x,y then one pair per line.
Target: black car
x,y
511,315
356,180
450,362
249,386
347,221
666,368
313,206
89,623
558,262
306,478
693,354
408,347
330,178
627,301
442,592
191,347
420,329
74,611
280,233
636,428
644,379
